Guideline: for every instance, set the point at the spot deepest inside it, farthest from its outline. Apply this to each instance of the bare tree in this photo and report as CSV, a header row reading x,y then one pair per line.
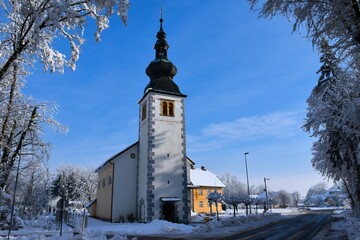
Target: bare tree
x,y
295,196
232,183
283,198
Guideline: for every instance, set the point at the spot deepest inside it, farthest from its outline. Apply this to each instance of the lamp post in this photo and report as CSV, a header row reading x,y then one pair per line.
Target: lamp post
x,y
14,195
247,178
266,194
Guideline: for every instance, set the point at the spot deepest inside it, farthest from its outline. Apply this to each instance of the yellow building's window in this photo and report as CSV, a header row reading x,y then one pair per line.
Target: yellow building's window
x,y
167,108
143,111
201,204
200,192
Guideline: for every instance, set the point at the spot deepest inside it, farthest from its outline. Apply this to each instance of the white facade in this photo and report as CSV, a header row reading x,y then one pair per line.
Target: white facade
x,y
116,198
124,190
162,163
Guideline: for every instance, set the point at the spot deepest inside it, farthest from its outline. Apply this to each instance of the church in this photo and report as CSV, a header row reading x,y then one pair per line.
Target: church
x,y
151,178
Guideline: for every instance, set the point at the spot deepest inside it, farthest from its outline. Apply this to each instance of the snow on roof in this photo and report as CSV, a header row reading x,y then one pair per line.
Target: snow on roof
x,y
204,178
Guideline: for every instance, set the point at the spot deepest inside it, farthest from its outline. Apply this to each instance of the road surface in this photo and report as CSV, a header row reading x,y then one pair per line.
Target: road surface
x,y
302,227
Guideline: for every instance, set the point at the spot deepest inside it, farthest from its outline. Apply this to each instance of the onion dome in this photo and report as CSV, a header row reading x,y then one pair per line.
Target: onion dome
x,y
161,71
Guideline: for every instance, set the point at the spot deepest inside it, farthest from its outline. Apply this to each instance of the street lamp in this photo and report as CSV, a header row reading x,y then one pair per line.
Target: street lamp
x,y
247,178
266,194
14,194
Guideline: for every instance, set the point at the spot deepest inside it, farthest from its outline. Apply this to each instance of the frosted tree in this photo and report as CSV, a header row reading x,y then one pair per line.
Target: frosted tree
x,y
232,183
295,198
29,28
337,21
33,189
233,199
333,113
75,183
283,198
317,189
5,212
27,32
215,197
334,104
21,124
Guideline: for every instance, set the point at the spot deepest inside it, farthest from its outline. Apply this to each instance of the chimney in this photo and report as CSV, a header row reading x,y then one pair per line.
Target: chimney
x,y
203,168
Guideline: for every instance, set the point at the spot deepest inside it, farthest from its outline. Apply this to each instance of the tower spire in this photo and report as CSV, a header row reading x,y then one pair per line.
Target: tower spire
x,y
161,45
161,11
161,71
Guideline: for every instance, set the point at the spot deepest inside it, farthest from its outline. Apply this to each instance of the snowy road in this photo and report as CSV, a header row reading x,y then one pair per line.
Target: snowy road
x,y
302,227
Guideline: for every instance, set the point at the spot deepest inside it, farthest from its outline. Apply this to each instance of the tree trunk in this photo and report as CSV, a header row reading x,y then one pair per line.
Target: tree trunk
x,y
217,212
12,157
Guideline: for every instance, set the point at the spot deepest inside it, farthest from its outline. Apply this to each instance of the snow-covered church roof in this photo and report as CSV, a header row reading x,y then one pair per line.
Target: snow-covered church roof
x,y
202,177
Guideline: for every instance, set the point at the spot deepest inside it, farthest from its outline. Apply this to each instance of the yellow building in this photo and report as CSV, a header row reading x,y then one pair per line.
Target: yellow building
x,y
202,183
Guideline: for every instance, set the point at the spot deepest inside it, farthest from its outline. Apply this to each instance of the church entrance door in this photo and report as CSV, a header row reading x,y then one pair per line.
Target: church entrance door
x,y
169,211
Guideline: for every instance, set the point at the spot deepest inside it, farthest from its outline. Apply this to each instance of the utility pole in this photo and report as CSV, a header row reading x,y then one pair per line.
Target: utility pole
x,y
266,194
247,179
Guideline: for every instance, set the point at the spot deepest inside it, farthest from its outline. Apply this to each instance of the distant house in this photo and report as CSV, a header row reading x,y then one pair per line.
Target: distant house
x,y
202,183
332,197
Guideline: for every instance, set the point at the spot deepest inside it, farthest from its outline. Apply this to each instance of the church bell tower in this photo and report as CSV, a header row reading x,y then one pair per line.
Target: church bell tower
x,y
162,169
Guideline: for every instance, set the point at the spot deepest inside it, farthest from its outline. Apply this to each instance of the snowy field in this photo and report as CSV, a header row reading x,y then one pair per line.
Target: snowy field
x,y
99,230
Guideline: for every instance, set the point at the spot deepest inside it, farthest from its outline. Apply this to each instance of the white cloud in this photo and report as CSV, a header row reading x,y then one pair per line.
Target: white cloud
x,y
279,125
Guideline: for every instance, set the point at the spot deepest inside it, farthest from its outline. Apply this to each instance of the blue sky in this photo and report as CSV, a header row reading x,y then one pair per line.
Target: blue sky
x,y
247,81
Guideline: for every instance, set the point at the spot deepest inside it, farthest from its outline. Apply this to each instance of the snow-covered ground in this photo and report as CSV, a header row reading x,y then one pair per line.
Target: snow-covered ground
x,y
344,224
98,230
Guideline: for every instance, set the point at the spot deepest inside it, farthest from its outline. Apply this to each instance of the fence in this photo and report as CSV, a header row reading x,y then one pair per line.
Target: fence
x,y
76,219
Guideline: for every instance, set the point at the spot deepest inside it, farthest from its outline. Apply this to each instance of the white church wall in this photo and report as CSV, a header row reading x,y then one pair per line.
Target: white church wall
x,y
162,170
125,183
143,157
169,151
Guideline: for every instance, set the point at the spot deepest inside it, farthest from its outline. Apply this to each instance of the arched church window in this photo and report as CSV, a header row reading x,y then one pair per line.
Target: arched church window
x,y
164,108
167,108
171,109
